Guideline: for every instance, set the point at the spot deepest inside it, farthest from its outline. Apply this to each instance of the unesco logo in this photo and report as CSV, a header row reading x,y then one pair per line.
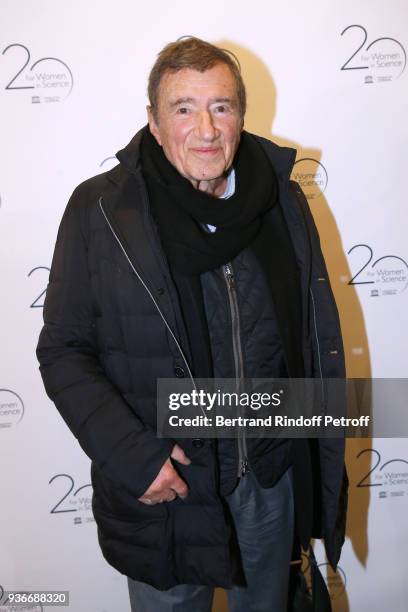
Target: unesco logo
x,y
381,60
387,275
390,476
47,79
311,175
11,409
71,500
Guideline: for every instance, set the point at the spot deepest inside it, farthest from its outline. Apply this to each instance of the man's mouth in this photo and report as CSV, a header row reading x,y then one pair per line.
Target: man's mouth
x,y
206,151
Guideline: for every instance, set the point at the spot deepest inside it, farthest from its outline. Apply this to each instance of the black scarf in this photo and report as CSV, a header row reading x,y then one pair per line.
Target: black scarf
x,y
181,210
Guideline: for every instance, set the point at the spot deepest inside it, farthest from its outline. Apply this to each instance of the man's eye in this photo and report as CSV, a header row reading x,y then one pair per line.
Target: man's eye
x,y
222,109
183,110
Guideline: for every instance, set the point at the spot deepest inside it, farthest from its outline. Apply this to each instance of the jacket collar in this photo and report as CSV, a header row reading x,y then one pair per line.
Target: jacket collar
x,y
129,156
282,158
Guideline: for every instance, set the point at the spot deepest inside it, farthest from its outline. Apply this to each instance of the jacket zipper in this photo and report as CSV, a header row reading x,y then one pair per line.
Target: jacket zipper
x,y
238,359
317,345
152,298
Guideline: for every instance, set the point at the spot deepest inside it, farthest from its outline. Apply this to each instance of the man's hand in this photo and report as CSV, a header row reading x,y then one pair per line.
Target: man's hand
x,y
167,484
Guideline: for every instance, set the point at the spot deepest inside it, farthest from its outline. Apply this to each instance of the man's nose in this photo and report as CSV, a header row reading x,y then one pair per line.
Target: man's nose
x,y
206,128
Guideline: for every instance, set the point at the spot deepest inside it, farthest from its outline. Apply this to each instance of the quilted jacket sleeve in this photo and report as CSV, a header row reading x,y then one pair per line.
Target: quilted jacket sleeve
x,y
127,451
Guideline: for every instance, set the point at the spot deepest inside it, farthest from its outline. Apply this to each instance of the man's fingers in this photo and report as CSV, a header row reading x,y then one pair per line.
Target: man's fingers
x,y
174,485
166,496
171,496
180,487
179,455
167,492
167,484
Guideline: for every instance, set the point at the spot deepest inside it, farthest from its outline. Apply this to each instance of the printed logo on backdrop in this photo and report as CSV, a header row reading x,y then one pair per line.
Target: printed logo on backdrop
x,y
381,61
109,161
48,79
390,476
387,275
335,580
311,175
38,301
72,501
11,409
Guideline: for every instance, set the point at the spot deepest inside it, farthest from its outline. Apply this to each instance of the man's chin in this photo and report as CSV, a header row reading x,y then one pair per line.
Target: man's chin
x,y
209,174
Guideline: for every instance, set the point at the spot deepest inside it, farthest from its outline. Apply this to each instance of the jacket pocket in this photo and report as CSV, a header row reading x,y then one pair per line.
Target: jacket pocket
x,y
115,501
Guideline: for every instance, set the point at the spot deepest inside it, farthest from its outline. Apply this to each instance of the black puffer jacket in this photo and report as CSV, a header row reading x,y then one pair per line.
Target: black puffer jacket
x,y
112,326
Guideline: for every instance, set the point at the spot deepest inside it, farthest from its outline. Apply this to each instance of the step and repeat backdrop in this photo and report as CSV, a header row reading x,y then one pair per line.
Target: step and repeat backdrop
x,y
329,79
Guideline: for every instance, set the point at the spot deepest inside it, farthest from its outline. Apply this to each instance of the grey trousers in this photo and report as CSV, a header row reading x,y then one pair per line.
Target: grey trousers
x,y
263,520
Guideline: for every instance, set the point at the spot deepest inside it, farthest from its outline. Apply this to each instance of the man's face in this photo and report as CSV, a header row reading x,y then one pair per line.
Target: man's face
x,y
198,121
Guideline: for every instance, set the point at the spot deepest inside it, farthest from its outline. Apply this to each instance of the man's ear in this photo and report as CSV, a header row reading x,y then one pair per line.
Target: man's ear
x,y
153,125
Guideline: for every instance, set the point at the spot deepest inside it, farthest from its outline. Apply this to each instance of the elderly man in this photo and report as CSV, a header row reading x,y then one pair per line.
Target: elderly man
x,y
195,256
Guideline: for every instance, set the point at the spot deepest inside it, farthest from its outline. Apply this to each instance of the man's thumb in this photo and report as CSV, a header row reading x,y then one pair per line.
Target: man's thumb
x,y
179,455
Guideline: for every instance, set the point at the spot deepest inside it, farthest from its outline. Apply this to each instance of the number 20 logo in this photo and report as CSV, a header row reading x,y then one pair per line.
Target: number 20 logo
x,y
363,482
386,44
63,81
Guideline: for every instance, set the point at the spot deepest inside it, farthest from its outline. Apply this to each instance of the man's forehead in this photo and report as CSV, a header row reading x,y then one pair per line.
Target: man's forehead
x,y
217,82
